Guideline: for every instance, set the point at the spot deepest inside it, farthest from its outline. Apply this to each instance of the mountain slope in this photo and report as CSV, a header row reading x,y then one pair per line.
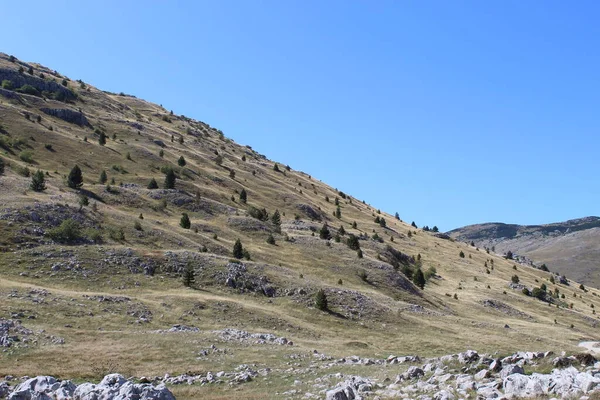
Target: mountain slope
x,y
102,293
571,248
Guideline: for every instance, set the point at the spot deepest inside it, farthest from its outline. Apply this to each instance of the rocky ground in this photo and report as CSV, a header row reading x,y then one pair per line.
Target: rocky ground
x,y
467,375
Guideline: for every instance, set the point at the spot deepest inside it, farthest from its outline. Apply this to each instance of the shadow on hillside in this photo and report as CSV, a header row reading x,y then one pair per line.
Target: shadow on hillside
x,y
91,195
336,314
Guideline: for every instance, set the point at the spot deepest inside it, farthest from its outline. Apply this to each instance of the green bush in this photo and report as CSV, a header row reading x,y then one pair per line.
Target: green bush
x,y
26,156
515,279
68,231
116,234
270,239
461,254
28,89
6,84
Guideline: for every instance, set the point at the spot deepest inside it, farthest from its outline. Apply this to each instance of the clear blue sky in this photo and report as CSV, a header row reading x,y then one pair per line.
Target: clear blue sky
x,y
448,112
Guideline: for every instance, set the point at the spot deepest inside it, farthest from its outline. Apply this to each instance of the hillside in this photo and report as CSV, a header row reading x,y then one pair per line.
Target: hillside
x,y
103,292
571,248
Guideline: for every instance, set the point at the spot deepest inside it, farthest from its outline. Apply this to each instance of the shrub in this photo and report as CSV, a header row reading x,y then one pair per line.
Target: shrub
x,y
6,84
260,214
514,279
161,153
338,212
152,184
359,253
103,177
238,250
276,219
185,222
243,196
28,89
116,234
526,292
181,162
321,300
581,287
1,166
430,273
232,174
26,156
363,275
170,179
461,254
538,293
137,225
509,255
68,231
38,182
270,239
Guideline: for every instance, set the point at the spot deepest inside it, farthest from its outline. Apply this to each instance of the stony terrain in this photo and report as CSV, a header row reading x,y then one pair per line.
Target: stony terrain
x,y
571,248
244,278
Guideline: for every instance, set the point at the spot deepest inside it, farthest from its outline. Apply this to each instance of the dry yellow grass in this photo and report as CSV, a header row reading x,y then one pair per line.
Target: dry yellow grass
x,y
97,339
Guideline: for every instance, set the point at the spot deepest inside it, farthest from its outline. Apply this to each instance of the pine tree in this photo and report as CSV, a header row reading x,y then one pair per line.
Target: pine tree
x,y
352,242
397,216
342,231
1,166
382,222
102,139
75,178
461,254
270,239
189,276
38,182
276,168
324,232
354,225
359,253
238,250
243,196
103,177
152,184
413,224
276,218
185,221
338,212
170,179
419,278
181,162
321,300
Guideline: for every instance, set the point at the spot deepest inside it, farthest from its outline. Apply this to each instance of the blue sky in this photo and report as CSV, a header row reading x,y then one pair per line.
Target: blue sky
x,y
448,112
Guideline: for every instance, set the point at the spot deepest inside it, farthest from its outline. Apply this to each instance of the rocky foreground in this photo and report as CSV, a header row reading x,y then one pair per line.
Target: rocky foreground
x,y
113,386
467,375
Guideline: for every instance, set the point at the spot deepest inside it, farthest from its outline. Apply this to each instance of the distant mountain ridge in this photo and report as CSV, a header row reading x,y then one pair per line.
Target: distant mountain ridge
x,y
571,247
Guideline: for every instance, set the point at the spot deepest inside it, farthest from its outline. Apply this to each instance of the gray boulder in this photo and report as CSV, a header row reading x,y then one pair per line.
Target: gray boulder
x,y
511,369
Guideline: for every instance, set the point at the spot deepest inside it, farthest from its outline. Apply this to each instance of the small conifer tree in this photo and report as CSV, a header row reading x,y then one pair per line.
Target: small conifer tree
x,y
321,300
270,239
103,177
243,196
189,276
461,254
419,278
181,162
102,138
170,179
276,168
75,178
185,222
152,184
1,166
324,232
238,250
38,182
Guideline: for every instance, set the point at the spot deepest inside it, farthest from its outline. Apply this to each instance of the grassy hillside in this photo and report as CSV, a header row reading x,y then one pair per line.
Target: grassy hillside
x,y
571,248
111,286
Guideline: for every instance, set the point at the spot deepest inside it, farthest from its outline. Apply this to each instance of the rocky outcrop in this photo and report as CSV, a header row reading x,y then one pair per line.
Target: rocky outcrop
x,y
42,85
68,115
111,387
